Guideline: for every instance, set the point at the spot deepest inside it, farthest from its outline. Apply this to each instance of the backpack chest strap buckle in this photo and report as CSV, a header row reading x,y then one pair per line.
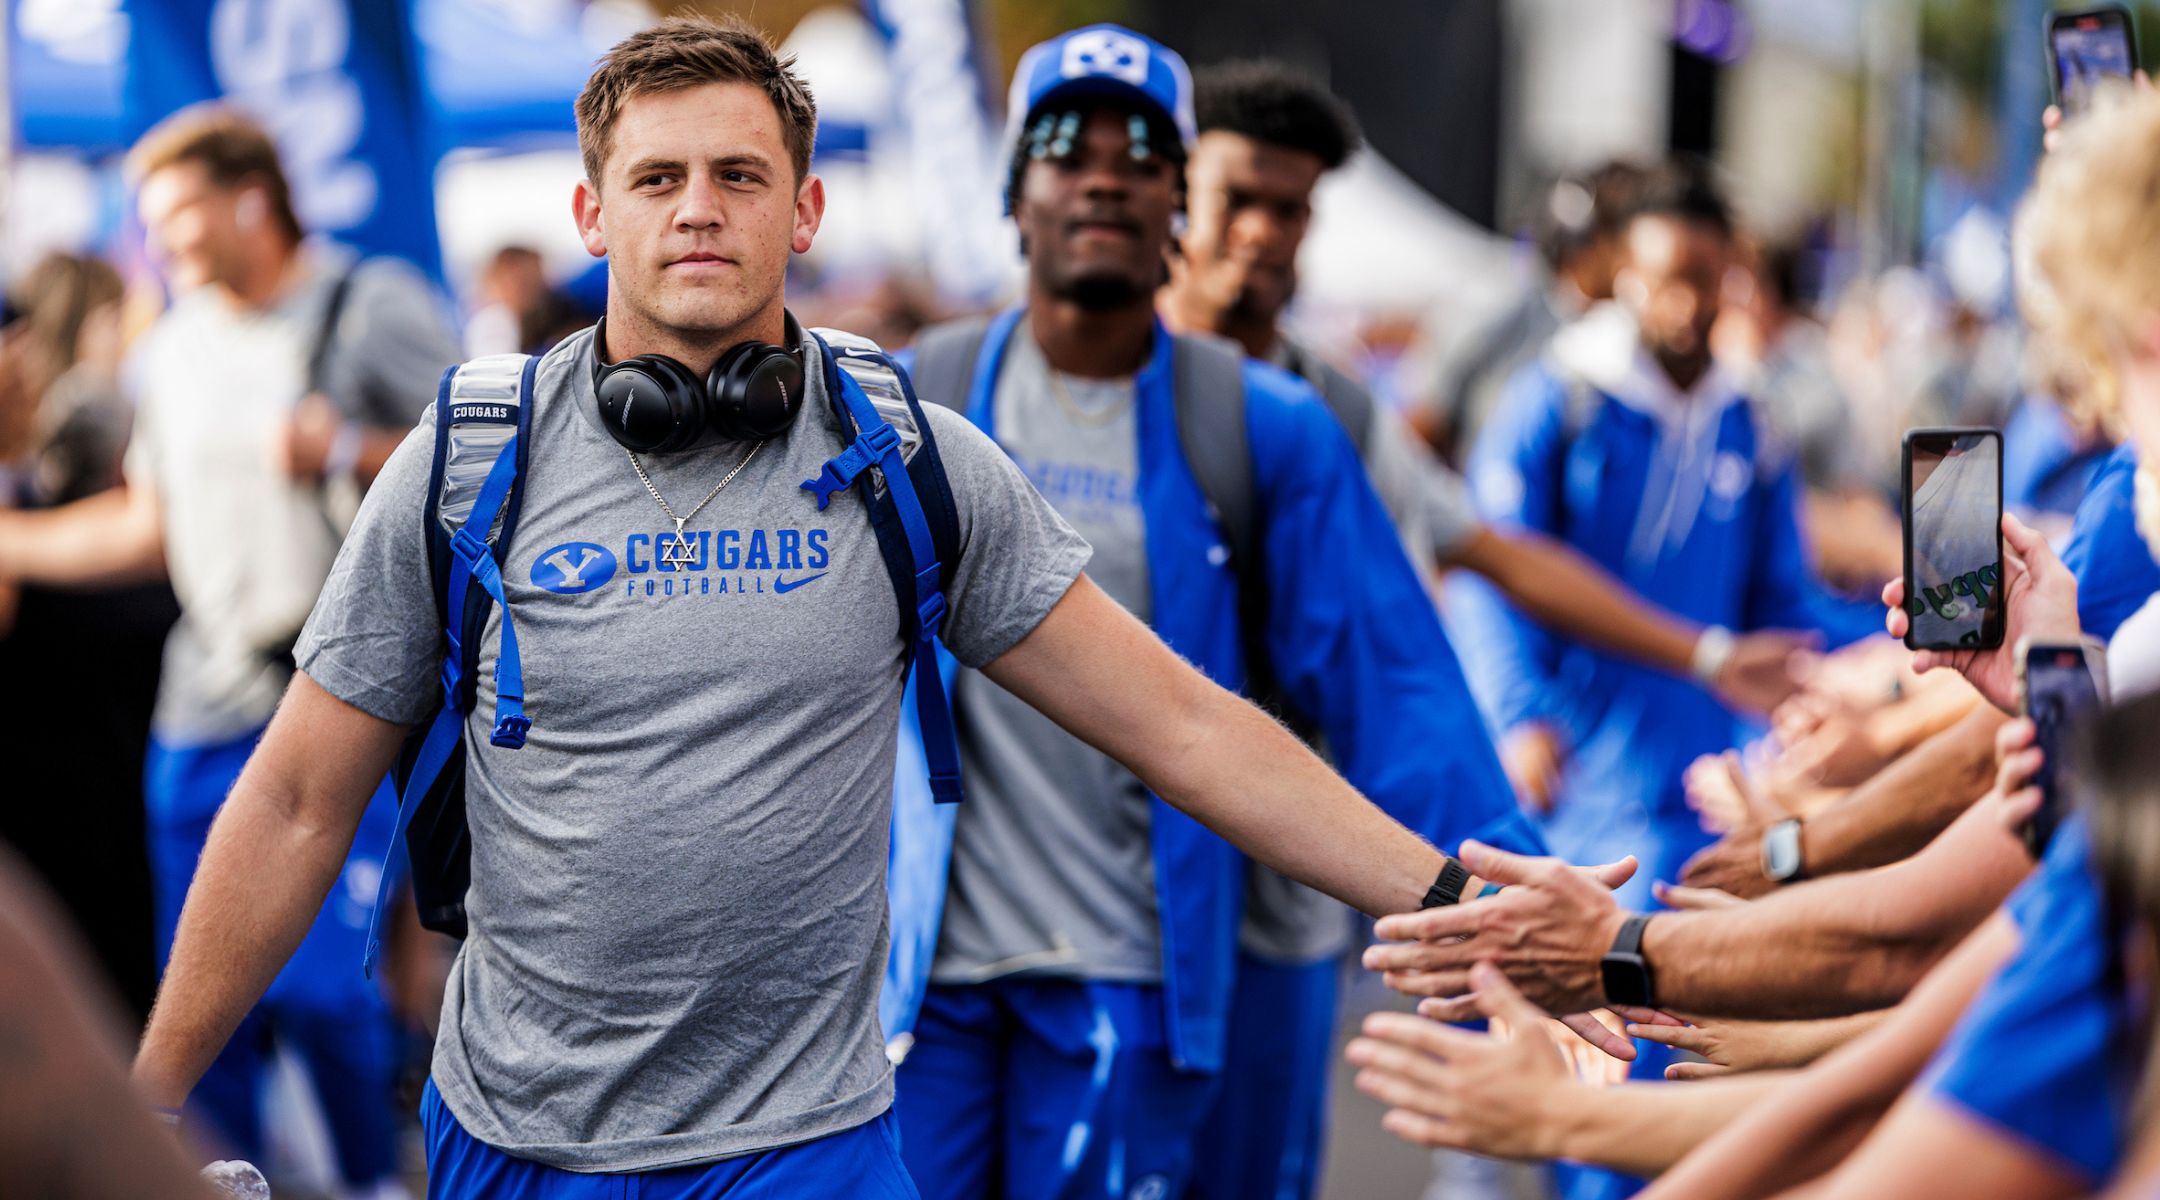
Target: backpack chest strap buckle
x,y
840,472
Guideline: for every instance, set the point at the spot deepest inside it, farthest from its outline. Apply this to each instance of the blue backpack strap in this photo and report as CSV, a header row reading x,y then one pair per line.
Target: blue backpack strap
x,y
459,561
878,444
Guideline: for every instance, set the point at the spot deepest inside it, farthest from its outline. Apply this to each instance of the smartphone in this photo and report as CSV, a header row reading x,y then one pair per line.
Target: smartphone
x,y
1953,538
2089,49
2059,697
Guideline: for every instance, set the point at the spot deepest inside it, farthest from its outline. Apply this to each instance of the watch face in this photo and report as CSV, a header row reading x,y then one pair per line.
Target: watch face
x,y
1627,980
1781,851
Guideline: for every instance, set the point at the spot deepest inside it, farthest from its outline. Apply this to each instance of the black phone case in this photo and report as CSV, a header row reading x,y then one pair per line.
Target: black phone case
x,y
1989,639
2064,17
2037,831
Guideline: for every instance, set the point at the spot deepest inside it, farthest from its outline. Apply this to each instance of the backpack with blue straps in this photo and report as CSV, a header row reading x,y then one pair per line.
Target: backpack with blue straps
x,y
483,434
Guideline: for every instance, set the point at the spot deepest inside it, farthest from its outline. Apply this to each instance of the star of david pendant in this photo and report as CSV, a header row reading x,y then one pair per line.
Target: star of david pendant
x,y
677,551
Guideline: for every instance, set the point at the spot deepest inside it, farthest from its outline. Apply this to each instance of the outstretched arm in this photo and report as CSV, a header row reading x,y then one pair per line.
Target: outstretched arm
x,y
106,540
1891,816
276,847
1820,949
1511,1094
1096,670
1830,1108
1558,587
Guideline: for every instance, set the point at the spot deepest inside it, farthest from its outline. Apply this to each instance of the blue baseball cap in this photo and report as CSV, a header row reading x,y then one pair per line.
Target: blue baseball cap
x,y
1101,61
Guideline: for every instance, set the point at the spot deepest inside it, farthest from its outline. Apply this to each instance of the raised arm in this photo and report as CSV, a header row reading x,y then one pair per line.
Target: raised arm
x,y
1097,671
276,847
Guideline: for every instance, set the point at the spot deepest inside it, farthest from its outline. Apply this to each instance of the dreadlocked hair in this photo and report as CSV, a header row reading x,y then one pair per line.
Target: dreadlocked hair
x,y
1051,133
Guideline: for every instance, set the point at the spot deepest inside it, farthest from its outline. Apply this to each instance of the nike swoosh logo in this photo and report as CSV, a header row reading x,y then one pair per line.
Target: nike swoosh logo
x,y
783,586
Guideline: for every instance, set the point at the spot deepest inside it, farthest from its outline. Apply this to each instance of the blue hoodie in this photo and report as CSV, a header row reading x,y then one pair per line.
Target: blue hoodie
x,y
1687,502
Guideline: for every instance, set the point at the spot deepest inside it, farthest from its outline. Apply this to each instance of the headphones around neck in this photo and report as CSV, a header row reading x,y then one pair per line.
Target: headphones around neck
x,y
652,404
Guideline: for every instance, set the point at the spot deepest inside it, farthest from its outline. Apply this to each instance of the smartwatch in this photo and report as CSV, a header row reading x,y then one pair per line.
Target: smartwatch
x,y
1448,888
1781,851
1625,972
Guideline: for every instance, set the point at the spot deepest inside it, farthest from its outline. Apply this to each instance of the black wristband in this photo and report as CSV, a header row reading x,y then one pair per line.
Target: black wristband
x,y
1449,887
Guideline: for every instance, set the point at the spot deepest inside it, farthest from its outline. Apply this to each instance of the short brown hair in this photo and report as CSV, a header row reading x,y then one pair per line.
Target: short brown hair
x,y
231,147
683,52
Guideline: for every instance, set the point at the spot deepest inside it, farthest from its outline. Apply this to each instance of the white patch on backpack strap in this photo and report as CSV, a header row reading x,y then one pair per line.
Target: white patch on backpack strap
x,y
880,384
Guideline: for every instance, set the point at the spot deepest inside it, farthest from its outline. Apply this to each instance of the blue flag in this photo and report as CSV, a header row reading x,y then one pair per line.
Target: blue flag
x,y
335,83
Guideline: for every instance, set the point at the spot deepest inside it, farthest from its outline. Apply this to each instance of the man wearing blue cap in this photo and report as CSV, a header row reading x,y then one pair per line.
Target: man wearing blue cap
x,y
1060,995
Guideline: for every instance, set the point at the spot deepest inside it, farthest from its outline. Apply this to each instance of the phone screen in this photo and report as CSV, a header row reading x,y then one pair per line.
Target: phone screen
x,y
2089,49
1953,538
2059,695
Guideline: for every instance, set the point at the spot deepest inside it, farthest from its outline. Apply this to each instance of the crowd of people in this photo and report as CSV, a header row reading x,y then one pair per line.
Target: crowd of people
x,y
969,768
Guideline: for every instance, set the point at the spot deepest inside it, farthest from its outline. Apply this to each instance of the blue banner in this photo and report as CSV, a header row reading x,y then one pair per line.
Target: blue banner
x,y
64,69
335,83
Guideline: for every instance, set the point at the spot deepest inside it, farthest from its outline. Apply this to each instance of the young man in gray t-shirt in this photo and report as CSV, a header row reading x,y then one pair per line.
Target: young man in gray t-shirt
x,y
677,906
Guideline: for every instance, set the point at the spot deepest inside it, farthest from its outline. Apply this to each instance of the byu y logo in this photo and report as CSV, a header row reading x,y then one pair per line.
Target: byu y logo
x,y
574,567
1106,52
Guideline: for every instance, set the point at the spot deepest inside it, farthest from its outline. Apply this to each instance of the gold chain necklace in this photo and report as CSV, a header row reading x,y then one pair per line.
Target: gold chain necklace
x,y
1095,419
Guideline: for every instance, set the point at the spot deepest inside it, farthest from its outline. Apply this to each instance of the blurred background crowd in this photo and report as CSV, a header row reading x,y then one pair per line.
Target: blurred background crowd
x,y
1875,152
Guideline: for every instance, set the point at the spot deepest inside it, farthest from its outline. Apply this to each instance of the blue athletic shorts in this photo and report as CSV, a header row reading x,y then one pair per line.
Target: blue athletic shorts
x,y
862,1163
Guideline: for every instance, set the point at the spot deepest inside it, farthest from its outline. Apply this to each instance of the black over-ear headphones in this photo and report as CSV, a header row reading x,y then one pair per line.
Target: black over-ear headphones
x,y
655,405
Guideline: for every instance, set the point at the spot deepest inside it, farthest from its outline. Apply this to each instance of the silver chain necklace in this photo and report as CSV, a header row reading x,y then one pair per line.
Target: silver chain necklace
x,y
677,552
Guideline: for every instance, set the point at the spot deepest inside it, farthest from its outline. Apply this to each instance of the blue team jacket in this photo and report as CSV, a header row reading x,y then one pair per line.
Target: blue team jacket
x,y
1703,523
1353,638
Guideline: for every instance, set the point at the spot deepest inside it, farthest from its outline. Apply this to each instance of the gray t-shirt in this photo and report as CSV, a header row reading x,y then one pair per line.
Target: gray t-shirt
x,y
246,547
678,923
1052,868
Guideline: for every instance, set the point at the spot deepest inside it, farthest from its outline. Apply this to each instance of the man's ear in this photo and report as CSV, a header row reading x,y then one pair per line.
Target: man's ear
x,y
585,209
251,207
809,213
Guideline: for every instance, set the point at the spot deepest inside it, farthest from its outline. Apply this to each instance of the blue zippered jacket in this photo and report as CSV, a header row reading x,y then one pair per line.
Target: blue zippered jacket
x,y
1353,639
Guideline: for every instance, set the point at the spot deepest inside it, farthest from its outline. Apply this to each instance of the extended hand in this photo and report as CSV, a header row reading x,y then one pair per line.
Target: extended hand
x,y
2040,605
1765,669
1822,743
2014,800
1722,794
1491,1093
1731,864
300,449
1548,931
1532,755
1729,1045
